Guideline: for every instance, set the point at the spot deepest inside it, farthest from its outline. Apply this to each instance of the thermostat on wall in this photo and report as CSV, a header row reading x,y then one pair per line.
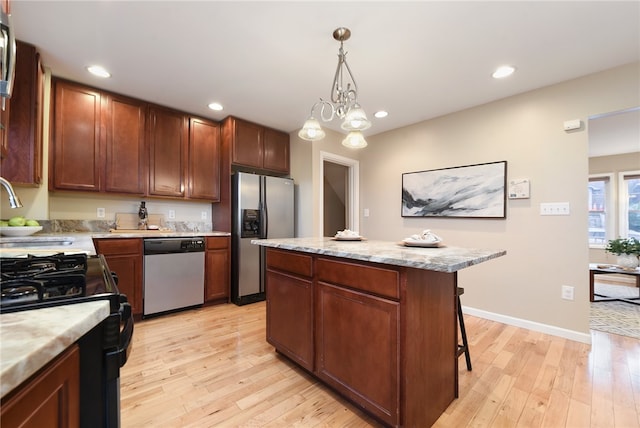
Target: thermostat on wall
x,y
519,189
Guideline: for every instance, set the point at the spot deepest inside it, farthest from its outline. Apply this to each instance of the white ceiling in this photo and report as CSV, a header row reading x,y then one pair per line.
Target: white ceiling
x,y
268,62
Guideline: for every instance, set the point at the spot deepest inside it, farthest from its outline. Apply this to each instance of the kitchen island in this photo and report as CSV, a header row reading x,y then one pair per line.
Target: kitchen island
x,y
374,320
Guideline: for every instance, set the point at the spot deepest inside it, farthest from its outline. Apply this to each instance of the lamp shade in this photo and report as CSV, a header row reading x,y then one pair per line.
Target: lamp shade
x,y
354,140
311,131
355,120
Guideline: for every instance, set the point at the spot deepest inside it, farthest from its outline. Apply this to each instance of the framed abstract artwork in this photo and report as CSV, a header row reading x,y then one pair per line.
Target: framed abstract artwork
x,y
471,191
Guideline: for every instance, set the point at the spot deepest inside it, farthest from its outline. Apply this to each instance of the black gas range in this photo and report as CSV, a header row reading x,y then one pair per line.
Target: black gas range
x,y
35,282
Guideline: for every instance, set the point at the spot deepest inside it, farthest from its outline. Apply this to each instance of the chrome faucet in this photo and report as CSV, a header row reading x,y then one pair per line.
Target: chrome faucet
x,y
14,200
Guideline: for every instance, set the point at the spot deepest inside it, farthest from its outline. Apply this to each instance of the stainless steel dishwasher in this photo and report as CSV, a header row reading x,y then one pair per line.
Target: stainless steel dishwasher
x,y
173,274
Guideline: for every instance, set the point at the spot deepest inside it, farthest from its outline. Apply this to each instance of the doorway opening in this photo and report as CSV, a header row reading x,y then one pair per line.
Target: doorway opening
x,y
339,194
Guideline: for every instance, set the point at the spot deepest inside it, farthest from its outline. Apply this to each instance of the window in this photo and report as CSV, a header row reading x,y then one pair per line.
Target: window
x,y
630,204
599,203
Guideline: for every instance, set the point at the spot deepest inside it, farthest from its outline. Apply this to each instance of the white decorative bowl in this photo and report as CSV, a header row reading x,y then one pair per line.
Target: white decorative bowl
x,y
19,230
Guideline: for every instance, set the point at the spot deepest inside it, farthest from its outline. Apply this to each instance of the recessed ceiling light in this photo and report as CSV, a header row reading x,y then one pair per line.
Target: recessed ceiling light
x,y
503,71
215,106
380,114
99,71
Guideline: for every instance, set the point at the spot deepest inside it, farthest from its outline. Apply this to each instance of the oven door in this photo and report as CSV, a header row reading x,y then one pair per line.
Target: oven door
x,y
102,352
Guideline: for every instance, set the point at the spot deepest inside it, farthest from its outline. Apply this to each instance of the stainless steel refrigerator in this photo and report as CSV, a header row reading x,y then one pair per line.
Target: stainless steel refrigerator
x,y
262,208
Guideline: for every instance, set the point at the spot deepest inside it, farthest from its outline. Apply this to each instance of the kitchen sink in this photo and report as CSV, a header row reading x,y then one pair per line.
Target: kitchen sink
x,y
36,242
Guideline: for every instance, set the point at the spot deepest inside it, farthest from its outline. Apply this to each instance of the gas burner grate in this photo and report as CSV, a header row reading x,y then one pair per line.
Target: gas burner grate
x,y
40,278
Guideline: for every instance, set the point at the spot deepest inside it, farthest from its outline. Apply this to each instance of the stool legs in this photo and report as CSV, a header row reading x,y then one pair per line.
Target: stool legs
x,y
464,348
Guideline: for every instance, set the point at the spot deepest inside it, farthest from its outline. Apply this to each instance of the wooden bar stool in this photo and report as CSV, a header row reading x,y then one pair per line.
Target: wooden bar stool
x,y
464,348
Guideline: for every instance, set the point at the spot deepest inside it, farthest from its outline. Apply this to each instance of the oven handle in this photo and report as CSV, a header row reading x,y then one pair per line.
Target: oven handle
x,y
117,357
127,332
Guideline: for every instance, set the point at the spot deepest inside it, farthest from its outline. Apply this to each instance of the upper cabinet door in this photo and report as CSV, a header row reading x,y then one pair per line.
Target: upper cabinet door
x,y
75,147
204,160
168,136
256,147
125,156
247,144
276,150
23,127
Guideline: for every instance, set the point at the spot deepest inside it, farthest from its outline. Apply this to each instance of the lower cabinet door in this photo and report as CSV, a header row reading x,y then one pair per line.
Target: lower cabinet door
x,y
358,345
51,399
290,316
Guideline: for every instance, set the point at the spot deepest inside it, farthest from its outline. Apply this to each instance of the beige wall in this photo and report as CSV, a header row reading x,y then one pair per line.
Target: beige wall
x,y
611,165
543,252
305,170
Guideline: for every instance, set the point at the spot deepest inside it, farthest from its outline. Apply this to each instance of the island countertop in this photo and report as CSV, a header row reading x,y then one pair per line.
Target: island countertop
x,y
442,259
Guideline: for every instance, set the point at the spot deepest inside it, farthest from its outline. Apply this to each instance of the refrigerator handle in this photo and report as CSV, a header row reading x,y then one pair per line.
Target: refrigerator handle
x,y
262,206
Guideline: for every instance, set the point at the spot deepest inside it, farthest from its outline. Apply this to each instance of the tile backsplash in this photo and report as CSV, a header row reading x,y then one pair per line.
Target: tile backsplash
x,y
100,226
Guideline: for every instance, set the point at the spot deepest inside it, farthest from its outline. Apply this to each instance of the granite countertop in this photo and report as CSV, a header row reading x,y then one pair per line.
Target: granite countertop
x,y
442,259
157,234
79,242
31,339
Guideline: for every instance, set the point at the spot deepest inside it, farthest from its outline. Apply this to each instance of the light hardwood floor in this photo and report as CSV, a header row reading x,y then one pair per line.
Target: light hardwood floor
x,y
212,367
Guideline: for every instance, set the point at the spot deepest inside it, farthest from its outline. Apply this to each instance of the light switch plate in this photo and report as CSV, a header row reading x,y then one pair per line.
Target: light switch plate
x,y
555,208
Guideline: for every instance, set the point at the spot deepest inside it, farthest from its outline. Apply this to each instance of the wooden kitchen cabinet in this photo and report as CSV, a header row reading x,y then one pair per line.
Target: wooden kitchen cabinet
x,y
204,160
289,291
168,139
383,336
98,141
358,348
276,151
75,148
255,146
125,257
125,160
217,268
23,120
127,146
51,398
358,335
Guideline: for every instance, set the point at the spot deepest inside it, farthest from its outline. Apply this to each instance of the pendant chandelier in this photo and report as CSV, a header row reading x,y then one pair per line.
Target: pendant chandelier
x,y
344,103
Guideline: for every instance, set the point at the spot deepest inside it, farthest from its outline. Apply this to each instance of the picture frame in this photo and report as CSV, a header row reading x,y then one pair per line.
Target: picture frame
x,y
469,191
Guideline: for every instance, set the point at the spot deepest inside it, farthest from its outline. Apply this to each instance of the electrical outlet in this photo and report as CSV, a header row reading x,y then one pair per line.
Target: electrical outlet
x,y
100,212
567,292
203,215
172,214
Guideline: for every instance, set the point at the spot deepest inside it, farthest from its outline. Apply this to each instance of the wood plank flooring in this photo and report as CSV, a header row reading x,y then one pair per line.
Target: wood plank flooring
x,y
212,367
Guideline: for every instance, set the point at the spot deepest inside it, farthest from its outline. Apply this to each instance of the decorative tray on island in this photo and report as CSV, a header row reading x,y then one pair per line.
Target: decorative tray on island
x,y
348,238
348,235
421,243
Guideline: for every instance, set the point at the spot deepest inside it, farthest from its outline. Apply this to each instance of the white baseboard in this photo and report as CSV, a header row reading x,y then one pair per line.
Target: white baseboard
x,y
529,325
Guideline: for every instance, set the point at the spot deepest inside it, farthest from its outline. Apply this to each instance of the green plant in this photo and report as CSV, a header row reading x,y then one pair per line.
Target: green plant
x,y
623,246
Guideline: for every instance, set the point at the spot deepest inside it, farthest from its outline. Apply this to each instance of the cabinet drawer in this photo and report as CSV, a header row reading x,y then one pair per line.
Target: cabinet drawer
x,y
111,246
217,243
286,261
383,282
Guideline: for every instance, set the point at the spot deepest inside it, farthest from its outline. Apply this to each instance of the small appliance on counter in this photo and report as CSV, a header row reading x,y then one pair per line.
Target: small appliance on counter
x,y
143,216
